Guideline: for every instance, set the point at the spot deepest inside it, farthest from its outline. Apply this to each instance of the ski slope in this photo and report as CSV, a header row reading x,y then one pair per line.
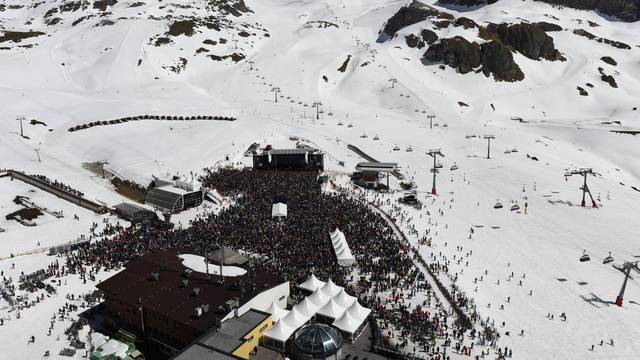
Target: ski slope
x,y
83,73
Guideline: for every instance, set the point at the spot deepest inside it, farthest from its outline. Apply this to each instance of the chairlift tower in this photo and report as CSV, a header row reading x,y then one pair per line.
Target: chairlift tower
x,y
276,90
626,270
489,137
21,119
393,82
585,189
317,104
251,65
431,117
434,154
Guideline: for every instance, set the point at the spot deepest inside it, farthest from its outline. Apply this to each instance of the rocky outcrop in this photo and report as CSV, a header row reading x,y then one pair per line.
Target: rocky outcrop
x,y
428,36
467,2
528,39
456,52
413,41
412,14
548,27
465,23
497,59
625,10
590,36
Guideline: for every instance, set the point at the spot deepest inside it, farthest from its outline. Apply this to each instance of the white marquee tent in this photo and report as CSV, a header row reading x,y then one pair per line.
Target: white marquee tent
x,y
341,248
311,284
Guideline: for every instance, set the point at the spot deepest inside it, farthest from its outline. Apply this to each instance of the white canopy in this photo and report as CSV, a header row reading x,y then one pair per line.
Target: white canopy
x,y
306,308
276,312
279,210
343,299
319,298
358,311
295,319
341,248
280,332
332,310
347,323
311,284
330,288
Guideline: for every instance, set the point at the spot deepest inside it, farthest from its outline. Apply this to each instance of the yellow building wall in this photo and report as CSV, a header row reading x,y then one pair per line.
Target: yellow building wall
x,y
252,339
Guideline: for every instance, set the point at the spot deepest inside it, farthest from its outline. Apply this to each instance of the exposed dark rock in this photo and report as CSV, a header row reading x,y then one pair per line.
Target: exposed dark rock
x,y
442,24
414,41
428,36
548,27
497,59
462,104
528,39
607,78
182,27
465,23
344,65
590,36
609,60
412,14
467,2
456,52
582,91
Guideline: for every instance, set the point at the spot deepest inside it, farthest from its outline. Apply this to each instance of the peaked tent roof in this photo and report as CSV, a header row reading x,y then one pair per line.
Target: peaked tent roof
x,y
311,284
332,310
347,323
330,288
276,312
280,332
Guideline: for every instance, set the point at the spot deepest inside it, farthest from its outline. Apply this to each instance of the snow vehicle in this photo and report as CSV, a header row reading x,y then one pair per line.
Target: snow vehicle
x,y
585,256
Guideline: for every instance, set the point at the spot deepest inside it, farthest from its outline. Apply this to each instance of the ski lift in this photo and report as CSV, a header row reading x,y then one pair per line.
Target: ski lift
x,y
439,165
507,151
498,205
376,137
454,167
585,256
608,259
350,125
339,123
515,207
330,113
409,149
514,150
396,148
364,136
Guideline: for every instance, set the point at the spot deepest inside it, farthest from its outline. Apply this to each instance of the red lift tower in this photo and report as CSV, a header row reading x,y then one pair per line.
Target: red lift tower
x,y
585,189
434,154
626,270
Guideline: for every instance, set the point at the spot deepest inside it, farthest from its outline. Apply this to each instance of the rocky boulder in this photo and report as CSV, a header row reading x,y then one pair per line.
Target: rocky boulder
x,y
414,41
429,36
625,10
456,52
412,14
528,39
468,2
497,59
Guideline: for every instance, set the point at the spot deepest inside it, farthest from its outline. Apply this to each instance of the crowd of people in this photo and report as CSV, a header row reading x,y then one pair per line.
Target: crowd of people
x,y
58,184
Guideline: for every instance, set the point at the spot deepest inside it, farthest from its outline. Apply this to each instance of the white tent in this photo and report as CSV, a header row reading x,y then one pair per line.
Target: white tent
x,y
306,308
276,312
332,310
343,299
279,210
347,323
341,248
330,288
311,284
295,319
358,311
280,332
319,298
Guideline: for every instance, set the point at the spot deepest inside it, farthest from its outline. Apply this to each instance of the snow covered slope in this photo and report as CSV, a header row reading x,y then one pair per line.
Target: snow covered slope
x,y
108,66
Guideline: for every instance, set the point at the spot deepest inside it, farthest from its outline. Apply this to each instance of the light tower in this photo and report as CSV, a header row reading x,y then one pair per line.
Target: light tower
x,y
585,189
626,270
489,137
434,154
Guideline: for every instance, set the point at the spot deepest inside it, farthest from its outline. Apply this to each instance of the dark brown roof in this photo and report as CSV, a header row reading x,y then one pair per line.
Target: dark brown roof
x,y
165,296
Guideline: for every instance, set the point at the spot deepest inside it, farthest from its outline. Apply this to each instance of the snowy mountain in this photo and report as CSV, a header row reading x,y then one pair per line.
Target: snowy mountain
x,y
559,81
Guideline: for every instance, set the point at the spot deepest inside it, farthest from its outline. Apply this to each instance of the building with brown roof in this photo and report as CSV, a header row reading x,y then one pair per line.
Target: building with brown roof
x,y
160,300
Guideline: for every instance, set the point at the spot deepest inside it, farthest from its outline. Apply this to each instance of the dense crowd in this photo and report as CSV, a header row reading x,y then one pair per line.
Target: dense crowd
x,y
58,184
